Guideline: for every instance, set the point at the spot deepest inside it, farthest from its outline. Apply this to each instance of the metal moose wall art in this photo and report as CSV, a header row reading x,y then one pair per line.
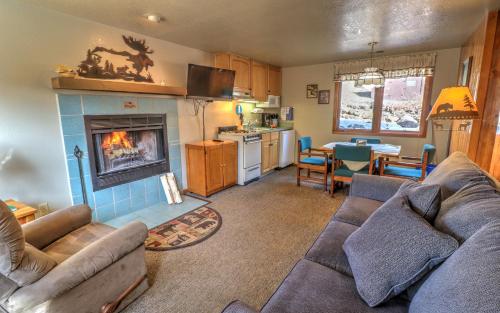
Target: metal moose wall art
x,y
93,66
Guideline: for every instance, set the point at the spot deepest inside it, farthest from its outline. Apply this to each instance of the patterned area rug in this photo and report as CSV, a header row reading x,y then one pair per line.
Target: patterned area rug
x,y
186,230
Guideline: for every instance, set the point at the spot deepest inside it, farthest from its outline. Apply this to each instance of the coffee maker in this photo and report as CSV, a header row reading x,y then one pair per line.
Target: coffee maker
x,y
270,120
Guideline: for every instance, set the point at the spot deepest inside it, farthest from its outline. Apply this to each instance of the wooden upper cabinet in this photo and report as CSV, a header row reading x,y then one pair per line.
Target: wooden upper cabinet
x,y
274,80
259,78
241,65
223,60
259,81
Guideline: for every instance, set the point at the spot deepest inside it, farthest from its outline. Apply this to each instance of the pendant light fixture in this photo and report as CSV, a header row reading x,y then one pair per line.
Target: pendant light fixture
x,y
372,76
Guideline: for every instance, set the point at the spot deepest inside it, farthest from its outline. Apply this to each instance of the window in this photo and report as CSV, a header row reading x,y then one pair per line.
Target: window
x,y
398,108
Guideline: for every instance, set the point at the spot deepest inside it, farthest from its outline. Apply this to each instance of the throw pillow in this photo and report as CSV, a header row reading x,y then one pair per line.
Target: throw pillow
x,y
11,240
424,199
393,249
469,209
468,281
455,172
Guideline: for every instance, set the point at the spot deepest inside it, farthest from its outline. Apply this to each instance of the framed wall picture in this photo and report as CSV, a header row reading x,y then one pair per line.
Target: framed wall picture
x,y
312,91
465,72
324,96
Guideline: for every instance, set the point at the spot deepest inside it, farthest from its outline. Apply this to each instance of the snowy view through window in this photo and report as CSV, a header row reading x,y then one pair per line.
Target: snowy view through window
x,y
356,106
401,106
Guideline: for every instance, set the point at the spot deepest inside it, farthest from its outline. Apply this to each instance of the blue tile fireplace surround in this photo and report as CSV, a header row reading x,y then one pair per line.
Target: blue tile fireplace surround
x,y
126,198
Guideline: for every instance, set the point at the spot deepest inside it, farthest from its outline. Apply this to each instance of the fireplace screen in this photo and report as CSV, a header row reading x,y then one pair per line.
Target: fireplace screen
x,y
124,148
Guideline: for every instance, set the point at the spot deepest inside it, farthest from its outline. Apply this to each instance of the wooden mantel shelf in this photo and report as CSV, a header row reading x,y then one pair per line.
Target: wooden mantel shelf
x,y
115,86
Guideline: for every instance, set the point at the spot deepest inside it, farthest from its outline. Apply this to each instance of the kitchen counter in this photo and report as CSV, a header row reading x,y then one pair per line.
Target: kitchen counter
x,y
264,130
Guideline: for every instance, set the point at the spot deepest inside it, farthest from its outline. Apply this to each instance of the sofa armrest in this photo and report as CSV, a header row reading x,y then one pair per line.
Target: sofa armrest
x,y
80,266
238,307
47,229
374,187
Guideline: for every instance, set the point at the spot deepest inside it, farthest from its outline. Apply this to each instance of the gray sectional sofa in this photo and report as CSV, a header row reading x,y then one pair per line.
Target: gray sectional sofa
x,y
467,281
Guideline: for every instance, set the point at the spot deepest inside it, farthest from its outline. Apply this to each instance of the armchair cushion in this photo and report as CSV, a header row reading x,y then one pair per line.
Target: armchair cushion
x,y
11,240
80,267
34,265
47,229
76,240
315,161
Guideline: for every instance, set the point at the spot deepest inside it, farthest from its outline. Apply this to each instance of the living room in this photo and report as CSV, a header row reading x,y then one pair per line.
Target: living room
x,y
178,156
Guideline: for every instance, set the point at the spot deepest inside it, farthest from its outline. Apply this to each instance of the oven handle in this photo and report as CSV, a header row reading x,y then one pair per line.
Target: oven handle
x,y
253,141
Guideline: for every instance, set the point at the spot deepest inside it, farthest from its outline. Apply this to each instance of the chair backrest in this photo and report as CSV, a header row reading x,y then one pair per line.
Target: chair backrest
x,y
431,150
305,143
368,140
353,153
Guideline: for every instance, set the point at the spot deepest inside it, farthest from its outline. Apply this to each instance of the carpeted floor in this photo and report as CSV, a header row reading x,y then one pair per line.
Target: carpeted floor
x,y
267,226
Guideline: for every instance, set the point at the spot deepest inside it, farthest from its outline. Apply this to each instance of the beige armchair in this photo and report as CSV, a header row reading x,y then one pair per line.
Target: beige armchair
x,y
63,262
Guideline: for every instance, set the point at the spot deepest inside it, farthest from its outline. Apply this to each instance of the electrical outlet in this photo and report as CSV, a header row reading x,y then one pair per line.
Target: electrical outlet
x,y
43,209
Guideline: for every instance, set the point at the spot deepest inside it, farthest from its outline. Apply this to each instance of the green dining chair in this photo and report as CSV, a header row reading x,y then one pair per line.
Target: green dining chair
x,y
313,160
349,160
413,170
368,140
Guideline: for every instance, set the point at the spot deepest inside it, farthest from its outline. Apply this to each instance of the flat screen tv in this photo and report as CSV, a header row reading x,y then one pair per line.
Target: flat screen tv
x,y
209,82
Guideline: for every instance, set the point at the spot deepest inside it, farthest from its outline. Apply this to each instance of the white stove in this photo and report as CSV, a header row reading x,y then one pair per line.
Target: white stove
x,y
249,152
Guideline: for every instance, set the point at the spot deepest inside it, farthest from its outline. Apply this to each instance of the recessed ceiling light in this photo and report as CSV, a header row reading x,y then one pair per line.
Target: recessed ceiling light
x,y
155,18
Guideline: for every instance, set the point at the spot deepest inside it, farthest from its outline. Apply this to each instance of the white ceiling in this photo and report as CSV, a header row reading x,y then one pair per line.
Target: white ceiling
x,y
292,32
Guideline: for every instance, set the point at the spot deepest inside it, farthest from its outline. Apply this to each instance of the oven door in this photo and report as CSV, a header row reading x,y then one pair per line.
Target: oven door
x,y
251,153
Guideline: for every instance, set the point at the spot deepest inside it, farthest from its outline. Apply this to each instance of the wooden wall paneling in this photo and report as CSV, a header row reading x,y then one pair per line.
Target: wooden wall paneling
x,y
488,149
474,47
482,86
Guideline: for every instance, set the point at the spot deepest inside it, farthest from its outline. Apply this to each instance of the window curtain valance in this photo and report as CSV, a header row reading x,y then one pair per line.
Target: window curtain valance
x,y
391,66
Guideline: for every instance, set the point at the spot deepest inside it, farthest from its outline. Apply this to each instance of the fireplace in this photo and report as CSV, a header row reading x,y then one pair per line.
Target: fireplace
x,y
124,148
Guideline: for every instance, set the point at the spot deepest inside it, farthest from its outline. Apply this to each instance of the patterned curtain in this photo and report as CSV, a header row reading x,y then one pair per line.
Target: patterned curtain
x,y
391,66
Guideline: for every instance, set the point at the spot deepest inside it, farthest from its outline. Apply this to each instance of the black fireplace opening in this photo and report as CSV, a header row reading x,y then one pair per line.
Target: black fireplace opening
x,y
124,148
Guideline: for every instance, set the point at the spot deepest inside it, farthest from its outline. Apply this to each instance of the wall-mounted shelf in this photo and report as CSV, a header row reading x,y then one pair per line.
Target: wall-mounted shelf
x,y
115,86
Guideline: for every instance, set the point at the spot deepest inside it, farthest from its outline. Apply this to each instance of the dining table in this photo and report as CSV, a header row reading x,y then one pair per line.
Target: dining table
x,y
379,149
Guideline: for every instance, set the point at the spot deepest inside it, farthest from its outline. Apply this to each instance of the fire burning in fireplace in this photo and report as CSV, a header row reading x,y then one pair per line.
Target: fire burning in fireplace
x,y
116,138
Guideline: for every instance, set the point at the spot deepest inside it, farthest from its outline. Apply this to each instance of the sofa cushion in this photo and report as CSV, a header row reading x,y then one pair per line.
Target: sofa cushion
x,y
312,287
424,199
34,265
469,209
455,172
11,240
76,240
355,210
468,281
327,250
393,249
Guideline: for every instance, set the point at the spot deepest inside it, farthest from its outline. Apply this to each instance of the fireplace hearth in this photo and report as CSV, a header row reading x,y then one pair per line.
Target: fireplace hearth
x,y
124,148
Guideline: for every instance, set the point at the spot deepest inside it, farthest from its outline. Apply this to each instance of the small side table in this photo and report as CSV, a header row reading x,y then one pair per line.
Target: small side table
x,y
24,213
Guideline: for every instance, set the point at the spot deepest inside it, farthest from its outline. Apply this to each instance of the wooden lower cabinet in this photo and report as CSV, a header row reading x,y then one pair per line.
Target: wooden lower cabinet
x,y
270,151
211,166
